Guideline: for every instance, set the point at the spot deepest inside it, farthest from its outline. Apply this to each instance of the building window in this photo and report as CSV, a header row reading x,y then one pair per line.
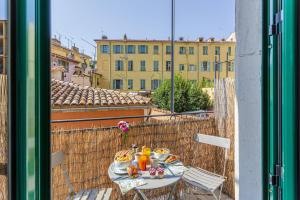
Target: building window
x,y
64,64
231,66
143,49
218,66
155,84
193,82
143,84
182,50
168,66
229,51
205,50
217,50
181,67
155,65
130,65
168,49
155,49
119,65
191,50
143,65
130,49
104,48
118,49
117,84
192,67
205,66
130,84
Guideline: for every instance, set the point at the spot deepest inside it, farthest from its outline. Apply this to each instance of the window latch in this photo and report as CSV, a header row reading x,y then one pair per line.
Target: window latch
x,y
274,179
275,28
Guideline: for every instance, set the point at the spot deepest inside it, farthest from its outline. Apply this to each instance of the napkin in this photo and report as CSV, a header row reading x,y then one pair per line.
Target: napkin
x,y
128,184
177,170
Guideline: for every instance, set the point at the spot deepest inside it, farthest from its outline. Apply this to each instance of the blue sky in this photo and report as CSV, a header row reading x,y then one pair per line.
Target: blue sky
x,y
140,19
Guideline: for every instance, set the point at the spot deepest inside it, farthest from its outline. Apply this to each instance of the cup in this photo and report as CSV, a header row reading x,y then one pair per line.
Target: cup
x,y
154,161
142,162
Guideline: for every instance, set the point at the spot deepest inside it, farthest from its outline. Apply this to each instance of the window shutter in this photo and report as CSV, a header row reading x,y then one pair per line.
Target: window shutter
x,y
220,68
121,84
114,84
201,67
208,66
121,62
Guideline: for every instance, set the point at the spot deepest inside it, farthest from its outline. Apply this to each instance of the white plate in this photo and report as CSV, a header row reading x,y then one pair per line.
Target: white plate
x,y
117,170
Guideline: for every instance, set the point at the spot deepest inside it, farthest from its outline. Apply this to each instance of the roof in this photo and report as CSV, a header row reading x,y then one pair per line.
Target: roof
x,y
164,41
66,95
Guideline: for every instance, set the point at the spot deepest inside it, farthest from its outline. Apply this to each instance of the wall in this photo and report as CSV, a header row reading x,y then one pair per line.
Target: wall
x,y
81,80
94,114
248,109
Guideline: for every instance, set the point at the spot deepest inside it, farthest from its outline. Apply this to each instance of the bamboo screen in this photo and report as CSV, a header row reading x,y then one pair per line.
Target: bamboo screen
x,y
90,152
3,134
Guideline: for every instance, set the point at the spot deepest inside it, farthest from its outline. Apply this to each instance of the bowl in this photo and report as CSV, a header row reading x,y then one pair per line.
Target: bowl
x,y
161,153
123,164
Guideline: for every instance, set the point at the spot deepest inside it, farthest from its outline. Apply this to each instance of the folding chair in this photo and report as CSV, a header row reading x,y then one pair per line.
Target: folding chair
x,y
200,178
57,158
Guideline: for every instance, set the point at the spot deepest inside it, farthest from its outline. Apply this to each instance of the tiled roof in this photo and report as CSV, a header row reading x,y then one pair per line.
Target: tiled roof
x,y
69,95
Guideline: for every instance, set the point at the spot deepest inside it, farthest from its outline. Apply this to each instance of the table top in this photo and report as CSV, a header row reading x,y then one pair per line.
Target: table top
x,y
151,183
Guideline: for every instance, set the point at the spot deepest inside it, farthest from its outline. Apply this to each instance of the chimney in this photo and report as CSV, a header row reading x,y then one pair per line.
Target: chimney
x,y
200,39
104,37
181,38
76,49
125,36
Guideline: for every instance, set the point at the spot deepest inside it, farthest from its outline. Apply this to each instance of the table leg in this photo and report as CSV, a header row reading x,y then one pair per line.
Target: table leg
x,y
172,191
140,194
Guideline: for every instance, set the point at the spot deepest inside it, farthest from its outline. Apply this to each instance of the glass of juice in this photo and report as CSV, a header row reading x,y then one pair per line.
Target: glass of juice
x,y
142,162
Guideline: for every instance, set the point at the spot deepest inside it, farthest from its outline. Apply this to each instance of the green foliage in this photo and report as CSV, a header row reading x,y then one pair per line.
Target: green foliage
x,y
188,96
207,83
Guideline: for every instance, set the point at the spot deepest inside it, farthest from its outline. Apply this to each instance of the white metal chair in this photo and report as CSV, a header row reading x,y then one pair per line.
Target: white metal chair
x,y
57,158
200,178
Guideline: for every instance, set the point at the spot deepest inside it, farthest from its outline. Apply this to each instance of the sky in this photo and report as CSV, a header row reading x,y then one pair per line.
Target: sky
x,y
77,20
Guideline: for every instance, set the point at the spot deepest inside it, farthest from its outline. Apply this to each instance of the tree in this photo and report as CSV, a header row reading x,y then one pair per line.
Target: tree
x,y
187,96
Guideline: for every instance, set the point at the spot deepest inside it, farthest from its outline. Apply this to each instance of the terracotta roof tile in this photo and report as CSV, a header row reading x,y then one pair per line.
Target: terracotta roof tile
x,y
67,95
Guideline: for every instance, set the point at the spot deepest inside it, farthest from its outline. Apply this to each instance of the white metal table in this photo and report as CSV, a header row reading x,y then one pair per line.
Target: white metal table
x,y
156,183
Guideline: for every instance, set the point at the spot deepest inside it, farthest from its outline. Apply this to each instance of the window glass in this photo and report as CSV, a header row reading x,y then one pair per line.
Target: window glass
x,y
155,49
130,65
143,65
104,48
181,67
205,50
119,65
168,65
143,49
118,49
229,51
143,84
217,50
130,84
205,66
155,84
191,50
155,65
130,49
168,49
118,84
182,50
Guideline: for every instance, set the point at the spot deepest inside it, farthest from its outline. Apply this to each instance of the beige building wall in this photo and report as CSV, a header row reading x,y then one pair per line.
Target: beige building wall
x,y
106,61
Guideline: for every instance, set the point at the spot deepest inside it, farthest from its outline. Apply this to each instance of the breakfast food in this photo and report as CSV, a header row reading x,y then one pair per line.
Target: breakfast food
x,y
123,159
162,151
132,171
171,159
152,172
123,156
160,172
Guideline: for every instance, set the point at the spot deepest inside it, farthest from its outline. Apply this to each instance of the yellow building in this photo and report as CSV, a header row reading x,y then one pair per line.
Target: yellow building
x,y
3,47
144,64
65,63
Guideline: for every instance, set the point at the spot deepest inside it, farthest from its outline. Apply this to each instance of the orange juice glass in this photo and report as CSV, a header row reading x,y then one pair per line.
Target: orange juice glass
x,y
142,162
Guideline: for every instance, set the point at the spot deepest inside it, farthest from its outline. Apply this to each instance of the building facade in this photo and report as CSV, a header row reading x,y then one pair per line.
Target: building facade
x,y
3,47
144,64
